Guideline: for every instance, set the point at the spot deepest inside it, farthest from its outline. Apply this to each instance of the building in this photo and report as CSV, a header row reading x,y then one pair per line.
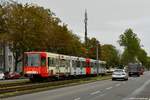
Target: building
x,y
6,58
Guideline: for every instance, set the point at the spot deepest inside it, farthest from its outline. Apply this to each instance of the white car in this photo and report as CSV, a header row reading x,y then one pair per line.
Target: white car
x,y
2,76
119,74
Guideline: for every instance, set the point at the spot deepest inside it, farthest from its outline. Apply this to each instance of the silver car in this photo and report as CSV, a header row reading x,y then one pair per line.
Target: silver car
x,y
119,74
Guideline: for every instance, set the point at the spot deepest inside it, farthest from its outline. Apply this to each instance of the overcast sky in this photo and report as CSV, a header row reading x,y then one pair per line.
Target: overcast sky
x,y
107,19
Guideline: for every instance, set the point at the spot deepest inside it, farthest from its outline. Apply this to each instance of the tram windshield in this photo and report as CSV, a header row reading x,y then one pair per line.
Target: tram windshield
x,y
32,60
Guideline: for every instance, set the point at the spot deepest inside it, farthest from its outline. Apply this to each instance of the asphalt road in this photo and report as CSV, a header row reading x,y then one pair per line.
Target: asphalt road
x,y
136,88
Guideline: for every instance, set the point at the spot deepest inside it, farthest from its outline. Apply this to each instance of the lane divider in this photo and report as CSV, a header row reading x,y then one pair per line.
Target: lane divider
x,y
96,92
117,85
77,99
108,88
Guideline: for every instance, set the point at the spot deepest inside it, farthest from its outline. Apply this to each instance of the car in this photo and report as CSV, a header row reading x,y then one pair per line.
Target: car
x,y
12,75
2,76
119,74
110,70
142,71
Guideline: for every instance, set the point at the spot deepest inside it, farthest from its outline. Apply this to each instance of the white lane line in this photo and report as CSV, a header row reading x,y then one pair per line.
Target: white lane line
x,y
134,78
138,90
117,85
108,88
96,92
77,99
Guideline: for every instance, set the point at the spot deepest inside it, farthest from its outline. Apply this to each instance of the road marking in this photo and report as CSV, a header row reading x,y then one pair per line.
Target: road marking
x,y
136,98
108,88
117,85
134,78
96,92
138,90
77,99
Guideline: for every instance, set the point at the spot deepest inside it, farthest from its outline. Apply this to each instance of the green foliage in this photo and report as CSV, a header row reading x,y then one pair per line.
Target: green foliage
x,y
148,63
132,49
142,56
111,55
30,27
34,28
126,58
131,44
90,48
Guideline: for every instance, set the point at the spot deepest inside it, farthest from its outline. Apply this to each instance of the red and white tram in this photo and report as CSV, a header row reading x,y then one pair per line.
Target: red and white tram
x,y
46,65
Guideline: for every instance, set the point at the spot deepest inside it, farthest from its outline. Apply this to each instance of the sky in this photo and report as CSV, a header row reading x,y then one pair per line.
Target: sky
x,y
107,19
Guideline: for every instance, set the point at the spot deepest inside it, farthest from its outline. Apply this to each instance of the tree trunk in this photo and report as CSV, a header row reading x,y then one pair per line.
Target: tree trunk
x,y
16,63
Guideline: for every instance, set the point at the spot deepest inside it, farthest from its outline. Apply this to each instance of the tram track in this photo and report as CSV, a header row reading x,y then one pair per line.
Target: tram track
x,y
24,88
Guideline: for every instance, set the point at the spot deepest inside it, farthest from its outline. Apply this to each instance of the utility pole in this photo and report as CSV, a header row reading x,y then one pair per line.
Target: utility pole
x,y
85,22
97,43
98,65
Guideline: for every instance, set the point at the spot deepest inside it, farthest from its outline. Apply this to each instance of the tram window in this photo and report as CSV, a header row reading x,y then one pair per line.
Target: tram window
x,y
63,62
55,62
52,61
91,64
33,60
78,63
49,61
87,64
25,60
43,61
67,63
83,64
74,63
96,64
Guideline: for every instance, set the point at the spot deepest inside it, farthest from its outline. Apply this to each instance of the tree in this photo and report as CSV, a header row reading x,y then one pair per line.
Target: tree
x,y
148,63
111,55
33,28
91,47
75,46
26,28
131,44
142,56
125,57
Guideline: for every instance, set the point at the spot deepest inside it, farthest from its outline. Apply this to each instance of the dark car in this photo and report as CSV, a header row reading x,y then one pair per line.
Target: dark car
x,y
134,69
12,75
142,71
